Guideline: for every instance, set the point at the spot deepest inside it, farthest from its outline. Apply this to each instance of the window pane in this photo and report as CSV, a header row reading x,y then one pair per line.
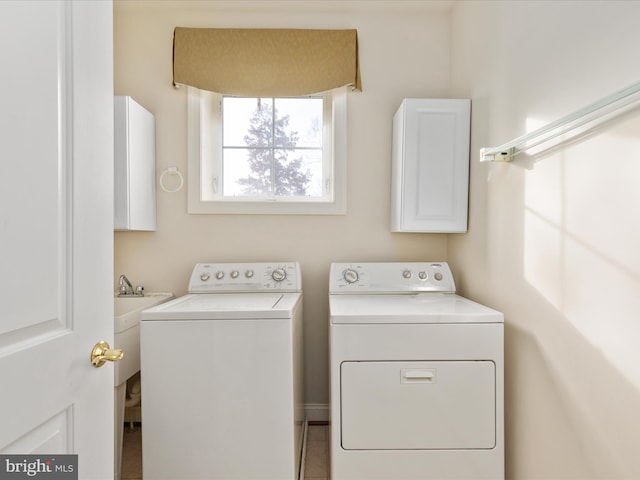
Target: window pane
x,y
298,173
236,172
312,162
302,121
246,121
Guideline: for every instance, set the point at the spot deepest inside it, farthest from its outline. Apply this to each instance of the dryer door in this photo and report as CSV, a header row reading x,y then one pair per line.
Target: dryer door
x,y
418,405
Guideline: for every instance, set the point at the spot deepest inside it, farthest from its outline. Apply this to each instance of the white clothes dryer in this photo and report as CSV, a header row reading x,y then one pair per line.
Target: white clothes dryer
x,y
222,376
416,376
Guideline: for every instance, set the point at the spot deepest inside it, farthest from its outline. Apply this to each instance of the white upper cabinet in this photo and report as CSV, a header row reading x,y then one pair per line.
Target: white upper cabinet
x,y
135,166
430,165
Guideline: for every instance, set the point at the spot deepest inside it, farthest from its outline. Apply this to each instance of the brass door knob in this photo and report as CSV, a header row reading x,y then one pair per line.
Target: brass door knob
x,y
103,353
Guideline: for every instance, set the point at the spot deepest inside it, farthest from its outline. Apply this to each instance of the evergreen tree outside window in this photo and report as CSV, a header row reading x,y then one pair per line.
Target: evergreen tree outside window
x,y
272,147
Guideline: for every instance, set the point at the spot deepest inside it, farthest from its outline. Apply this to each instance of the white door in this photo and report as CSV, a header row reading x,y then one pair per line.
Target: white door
x,y
56,239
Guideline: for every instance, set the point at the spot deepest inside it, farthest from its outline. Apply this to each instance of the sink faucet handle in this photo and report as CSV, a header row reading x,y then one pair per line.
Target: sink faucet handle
x,y
126,289
125,285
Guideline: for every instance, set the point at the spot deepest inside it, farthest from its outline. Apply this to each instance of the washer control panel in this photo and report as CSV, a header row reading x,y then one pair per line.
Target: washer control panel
x,y
381,277
245,277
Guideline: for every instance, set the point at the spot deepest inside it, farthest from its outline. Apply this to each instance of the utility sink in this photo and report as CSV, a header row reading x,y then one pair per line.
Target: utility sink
x,y
127,330
127,310
126,326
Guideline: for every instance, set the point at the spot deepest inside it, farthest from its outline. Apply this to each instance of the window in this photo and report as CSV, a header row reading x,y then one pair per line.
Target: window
x,y
251,155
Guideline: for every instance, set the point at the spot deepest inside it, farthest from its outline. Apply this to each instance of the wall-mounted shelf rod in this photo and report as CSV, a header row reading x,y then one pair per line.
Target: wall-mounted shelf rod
x,y
567,127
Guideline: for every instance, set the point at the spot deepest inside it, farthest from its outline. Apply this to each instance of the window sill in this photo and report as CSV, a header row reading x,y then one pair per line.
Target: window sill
x,y
267,208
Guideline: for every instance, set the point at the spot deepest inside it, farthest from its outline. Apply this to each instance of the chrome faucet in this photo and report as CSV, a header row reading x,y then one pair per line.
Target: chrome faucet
x,y
126,289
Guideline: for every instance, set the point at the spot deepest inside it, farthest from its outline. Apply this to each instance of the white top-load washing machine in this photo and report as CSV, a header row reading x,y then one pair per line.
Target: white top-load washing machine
x,y
222,376
416,376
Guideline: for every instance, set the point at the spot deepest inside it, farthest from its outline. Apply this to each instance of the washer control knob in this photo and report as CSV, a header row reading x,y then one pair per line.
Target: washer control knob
x,y
234,274
422,275
204,277
406,274
350,275
220,275
248,273
437,276
279,274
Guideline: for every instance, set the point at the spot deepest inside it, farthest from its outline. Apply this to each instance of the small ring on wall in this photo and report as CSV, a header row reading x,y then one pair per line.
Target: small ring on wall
x,y
171,171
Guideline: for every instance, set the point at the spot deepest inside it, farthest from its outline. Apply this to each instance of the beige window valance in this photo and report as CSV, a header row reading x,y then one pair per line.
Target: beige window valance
x,y
265,62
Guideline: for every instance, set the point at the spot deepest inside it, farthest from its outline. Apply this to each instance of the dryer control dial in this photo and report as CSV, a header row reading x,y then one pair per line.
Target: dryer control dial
x,y
279,274
204,277
390,277
350,275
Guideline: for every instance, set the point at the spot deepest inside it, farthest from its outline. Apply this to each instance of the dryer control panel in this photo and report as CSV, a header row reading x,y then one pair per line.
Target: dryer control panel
x,y
245,277
381,277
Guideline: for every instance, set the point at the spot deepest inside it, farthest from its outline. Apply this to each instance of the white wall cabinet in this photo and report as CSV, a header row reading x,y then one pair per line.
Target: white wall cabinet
x,y
430,165
135,166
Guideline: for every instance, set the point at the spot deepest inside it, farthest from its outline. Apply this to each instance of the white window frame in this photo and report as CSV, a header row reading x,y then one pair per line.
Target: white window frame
x,y
204,146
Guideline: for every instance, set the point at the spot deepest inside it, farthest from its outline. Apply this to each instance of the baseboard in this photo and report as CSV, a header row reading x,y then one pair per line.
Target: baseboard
x,y
317,412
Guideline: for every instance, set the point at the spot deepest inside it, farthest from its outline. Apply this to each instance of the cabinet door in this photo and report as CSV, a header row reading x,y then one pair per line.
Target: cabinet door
x,y
430,166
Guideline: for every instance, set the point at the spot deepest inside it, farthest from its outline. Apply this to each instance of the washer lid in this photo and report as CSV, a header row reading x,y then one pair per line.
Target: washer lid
x,y
409,308
224,306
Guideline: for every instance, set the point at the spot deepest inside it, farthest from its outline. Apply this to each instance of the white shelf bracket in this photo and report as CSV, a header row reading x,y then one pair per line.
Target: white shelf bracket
x,y
490,155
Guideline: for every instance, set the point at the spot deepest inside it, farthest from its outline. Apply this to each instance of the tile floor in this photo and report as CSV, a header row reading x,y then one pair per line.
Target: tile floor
x,y
316,466
132,453
317,461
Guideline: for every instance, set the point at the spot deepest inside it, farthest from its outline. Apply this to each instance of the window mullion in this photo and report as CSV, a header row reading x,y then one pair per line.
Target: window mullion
x,y
273,146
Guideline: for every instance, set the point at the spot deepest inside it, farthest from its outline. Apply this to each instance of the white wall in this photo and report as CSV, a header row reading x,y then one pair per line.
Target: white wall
x,y
404,52
553,239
